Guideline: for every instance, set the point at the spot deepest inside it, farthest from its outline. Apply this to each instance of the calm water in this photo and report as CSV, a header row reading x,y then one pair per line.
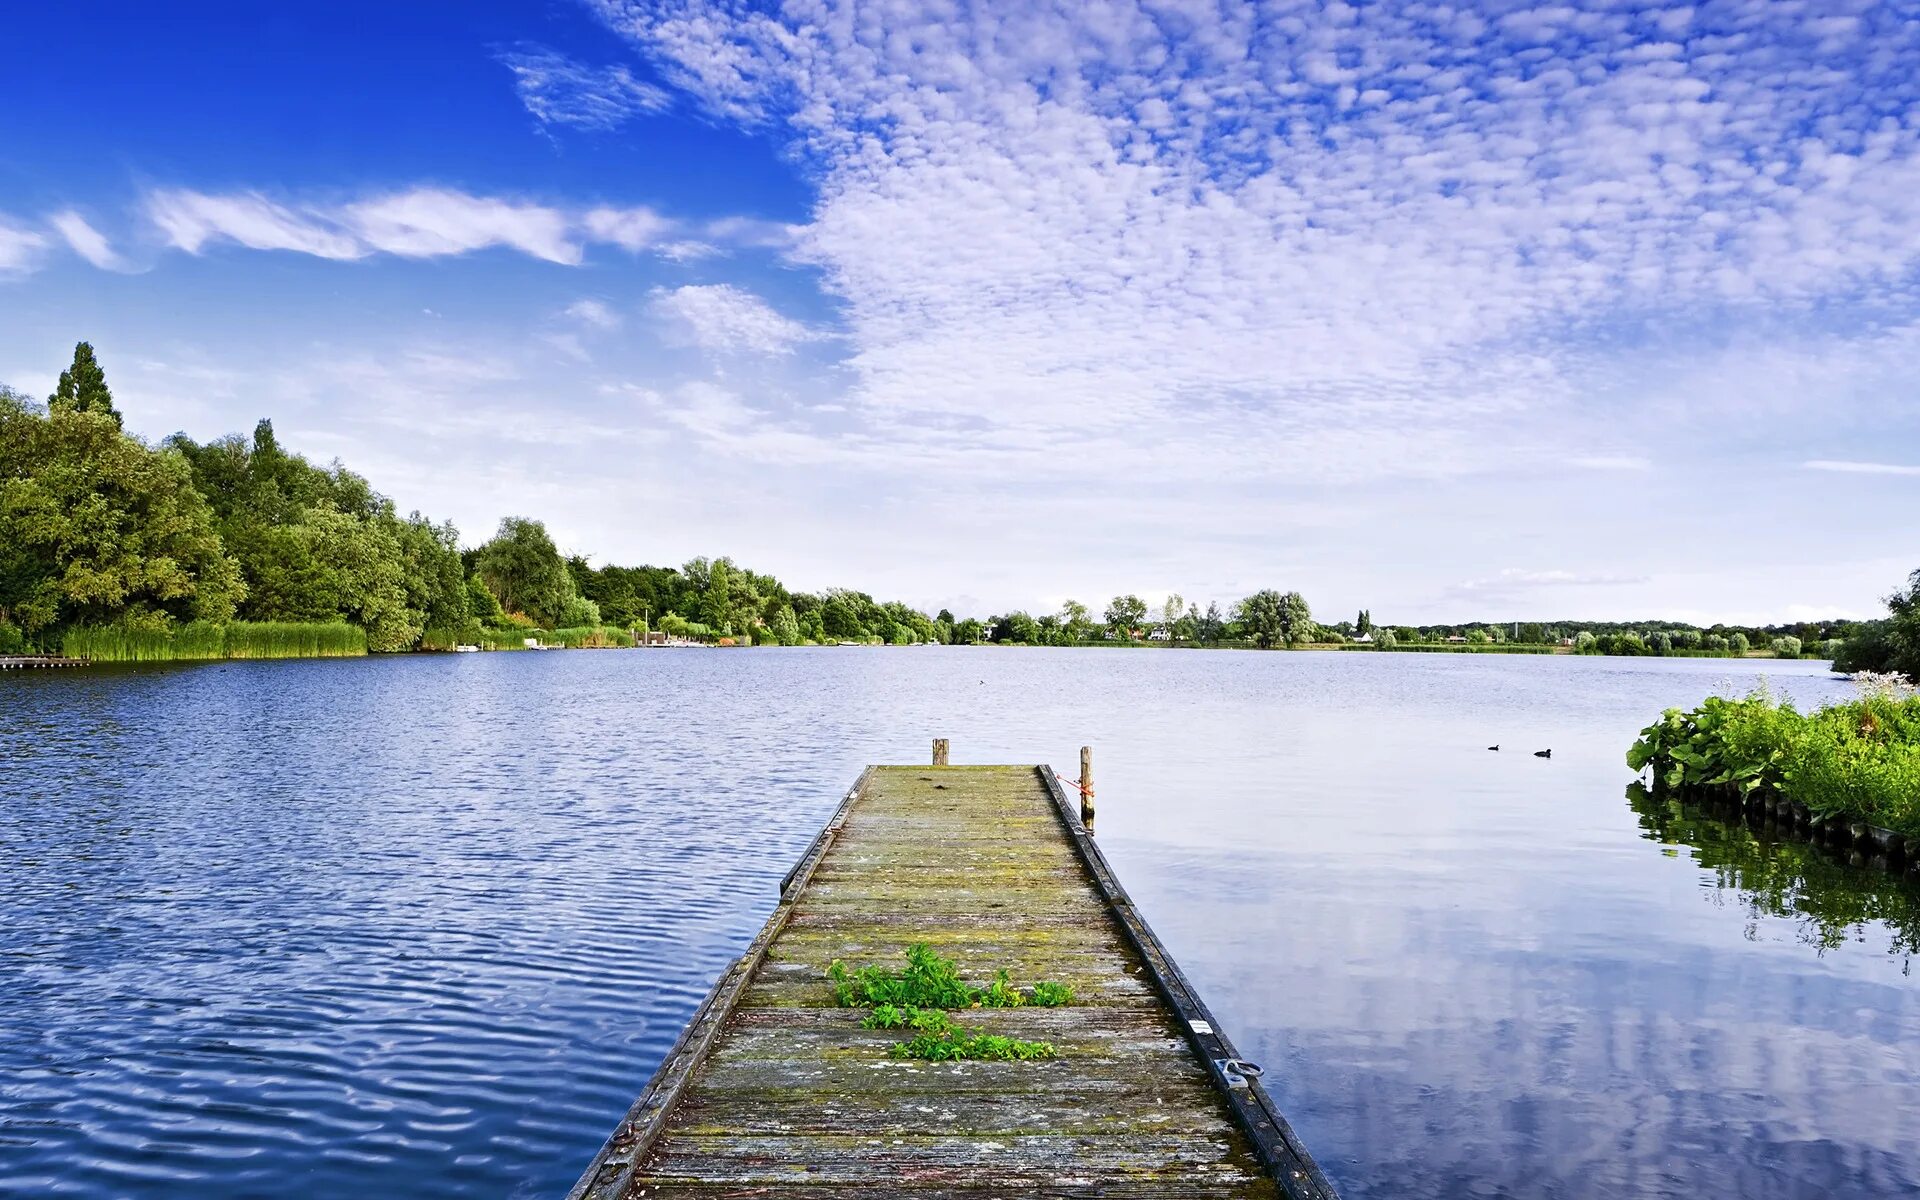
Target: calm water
x,y
424,926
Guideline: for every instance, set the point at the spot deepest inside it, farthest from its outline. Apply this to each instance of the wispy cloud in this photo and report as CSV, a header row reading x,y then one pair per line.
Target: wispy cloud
x,y
725,319
1515,581
557,90
190,221
594,314
1860,468
86,241
20,249
419,222
1612,462
428,222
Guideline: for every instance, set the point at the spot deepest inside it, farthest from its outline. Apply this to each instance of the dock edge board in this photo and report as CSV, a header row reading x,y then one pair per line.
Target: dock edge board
x,y
611,1170
1274,1143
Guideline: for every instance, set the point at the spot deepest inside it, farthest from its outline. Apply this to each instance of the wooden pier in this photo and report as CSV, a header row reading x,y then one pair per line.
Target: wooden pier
x,y
774,1091
16,662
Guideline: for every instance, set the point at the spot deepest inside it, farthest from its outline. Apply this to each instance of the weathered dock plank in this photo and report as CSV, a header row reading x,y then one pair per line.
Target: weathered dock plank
x,y
18,662
774,1091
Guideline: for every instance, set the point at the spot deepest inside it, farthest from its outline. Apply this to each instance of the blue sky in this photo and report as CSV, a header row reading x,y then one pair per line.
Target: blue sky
x,y
1582,310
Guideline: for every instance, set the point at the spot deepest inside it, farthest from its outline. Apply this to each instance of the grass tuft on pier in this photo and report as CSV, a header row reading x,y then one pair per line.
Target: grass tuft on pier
x,y
918,997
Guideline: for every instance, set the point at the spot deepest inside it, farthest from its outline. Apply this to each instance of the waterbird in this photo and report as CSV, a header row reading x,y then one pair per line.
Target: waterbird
x,y
1495,746
1543,754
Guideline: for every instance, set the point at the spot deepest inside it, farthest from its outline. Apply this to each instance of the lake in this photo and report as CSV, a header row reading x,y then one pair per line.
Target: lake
x,y
424,925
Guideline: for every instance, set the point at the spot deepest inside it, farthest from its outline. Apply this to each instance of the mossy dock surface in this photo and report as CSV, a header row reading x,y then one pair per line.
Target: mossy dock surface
x,y
775,1091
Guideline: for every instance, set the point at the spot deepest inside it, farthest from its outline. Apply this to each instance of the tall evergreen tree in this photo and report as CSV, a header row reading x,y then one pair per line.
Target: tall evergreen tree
x,y
83,386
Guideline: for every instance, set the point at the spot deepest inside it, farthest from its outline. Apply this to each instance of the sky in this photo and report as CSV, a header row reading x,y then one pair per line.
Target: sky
x,y
1451,311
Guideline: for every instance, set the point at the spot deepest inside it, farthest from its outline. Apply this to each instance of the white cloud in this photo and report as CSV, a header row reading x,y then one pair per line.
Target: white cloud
x,y
559,91
20,249
190,221
628,228
1861,468
418,222
725,319
427,222
86,241
1612,462
595,314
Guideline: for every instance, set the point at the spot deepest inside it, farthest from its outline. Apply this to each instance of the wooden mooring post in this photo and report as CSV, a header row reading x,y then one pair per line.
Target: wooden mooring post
x,y
939,752
1086,787
774,1090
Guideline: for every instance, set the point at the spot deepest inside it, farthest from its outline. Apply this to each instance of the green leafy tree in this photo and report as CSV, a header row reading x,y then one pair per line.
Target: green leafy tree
x,y
1076,624
1261,616
785,626
1126,615
97,527
83,387
1212,626
1738,644
523,569
1172,610
716,601
1364,622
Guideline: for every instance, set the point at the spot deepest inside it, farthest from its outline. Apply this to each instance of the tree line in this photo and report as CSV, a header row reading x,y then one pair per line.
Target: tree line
x,y
99,528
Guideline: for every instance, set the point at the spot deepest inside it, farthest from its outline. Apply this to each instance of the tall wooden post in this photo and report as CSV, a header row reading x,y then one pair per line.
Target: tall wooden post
x,y
1086,787
939,752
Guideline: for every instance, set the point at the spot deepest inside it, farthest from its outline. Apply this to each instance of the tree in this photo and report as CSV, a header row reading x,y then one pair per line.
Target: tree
x,y
83,387
1213,626
1260,614
1738,644
1364,622
1016,628
523,570
1787,647
98,527
1075,623
1385,639
1297,618
785,626
1171,611
1126,614
1891,645
716,601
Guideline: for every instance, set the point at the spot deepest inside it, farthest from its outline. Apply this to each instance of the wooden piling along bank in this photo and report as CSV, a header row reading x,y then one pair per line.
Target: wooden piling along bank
x,y
27,662
774,1091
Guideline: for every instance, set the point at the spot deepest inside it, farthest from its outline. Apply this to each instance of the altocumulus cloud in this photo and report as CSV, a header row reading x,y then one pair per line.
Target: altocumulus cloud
x,y
1314,227
725,319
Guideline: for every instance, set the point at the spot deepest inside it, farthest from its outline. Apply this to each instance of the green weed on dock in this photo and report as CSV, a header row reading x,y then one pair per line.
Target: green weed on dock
x,y
918,998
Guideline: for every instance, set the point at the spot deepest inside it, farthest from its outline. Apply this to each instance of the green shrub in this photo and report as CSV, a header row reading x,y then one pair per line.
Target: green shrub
x,y
1859,760
12,641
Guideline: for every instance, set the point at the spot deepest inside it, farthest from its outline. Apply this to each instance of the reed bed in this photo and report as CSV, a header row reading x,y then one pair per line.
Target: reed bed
x,y
203,641
286,639
594,636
